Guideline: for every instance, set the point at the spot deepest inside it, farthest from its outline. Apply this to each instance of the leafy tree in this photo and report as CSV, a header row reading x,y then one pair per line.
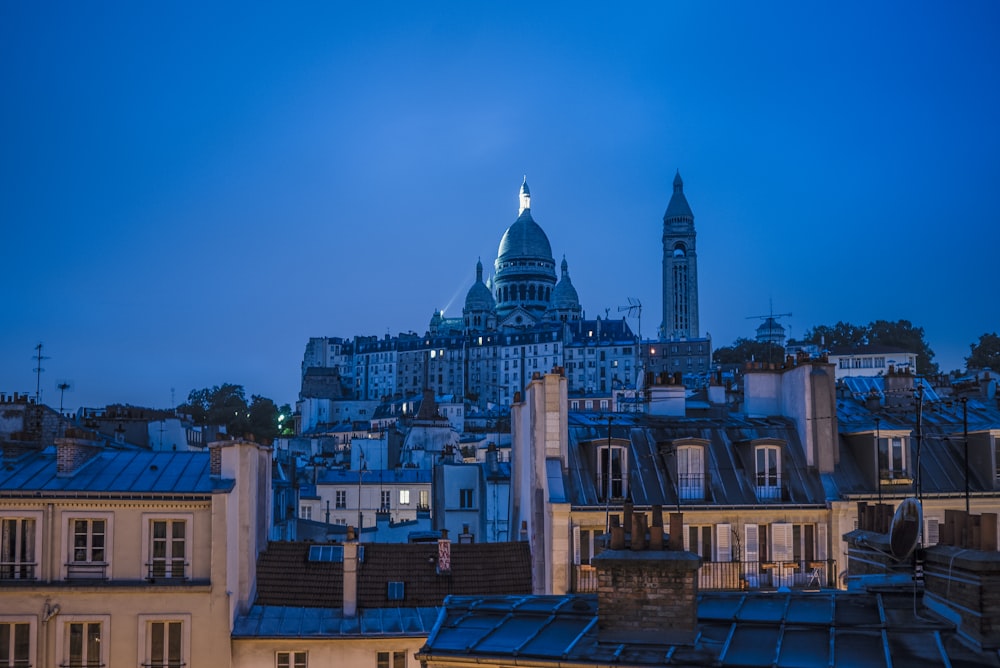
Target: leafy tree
x,y
899,334
841,334
227,405
746,350
985,353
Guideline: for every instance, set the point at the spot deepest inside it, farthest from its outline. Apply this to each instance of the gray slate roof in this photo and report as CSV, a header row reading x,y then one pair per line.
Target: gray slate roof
x,y
273,621
781,629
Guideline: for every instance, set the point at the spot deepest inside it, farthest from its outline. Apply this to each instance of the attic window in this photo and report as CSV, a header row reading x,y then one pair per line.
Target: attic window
x,y
332,553
396,591
612,472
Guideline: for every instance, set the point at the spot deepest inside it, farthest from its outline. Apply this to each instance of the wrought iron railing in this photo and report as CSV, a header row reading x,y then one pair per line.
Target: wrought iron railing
x,y
691,486
770,487
739,575
17,570
78,570
167,570
736,575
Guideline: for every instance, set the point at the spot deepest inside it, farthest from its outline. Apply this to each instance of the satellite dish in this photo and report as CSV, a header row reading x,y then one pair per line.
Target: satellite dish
x,y
905,528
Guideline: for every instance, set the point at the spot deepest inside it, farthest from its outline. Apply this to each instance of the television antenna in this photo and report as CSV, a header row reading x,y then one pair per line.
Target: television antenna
x,y
38,357
63,386
633,306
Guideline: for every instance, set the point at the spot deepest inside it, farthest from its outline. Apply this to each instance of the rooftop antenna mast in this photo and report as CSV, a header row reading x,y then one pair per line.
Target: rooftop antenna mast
x,y
634,306
62,386
38,357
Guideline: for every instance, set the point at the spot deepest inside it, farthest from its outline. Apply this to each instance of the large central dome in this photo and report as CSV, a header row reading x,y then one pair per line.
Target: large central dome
x,y
525,270
525,238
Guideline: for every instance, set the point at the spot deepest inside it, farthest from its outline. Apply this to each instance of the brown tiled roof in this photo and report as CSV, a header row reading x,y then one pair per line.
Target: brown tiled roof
x,y
286,577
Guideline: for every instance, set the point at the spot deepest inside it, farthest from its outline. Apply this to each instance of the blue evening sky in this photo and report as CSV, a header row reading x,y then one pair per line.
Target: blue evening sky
x,y
188,193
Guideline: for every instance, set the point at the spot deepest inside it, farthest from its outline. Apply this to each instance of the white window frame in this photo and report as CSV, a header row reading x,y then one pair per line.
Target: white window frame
x,y
603,478
32,622
68,534
891,442
692,468
771,488
147,540
36,563
62,636
404,497
290,654
145,637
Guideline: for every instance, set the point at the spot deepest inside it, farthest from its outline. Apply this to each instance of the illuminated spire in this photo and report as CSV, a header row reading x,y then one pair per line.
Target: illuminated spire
x,y
525,196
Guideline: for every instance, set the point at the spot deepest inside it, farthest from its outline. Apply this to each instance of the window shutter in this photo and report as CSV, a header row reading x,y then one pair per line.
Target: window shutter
x,y
723,548
931,535
576,545
750,546
821,542
687,539
781,541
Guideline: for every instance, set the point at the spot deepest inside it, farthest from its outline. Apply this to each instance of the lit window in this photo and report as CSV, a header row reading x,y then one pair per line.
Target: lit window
x,y
404,497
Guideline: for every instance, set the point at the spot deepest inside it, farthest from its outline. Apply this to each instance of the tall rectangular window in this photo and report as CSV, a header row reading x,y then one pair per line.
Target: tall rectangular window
x,y
386,499
83,649
164,645
168,549
892,457
465,498
15,645
404,497
768,472
89,553
611,468
17,548
340,499
425,502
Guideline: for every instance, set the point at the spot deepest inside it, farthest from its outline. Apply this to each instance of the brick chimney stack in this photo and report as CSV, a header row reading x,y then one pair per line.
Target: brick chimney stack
x,y
647,596
74,450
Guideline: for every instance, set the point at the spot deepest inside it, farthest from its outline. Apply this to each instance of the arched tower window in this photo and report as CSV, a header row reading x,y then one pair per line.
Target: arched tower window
x,y
680,250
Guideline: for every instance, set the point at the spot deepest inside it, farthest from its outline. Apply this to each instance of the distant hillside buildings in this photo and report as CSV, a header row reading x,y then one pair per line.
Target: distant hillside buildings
x,y
524,319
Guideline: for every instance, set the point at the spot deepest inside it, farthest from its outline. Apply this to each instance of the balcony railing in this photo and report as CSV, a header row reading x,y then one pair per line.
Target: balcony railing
x,y
169,570
739,575
770,488
17,570
80,570
736,575
691,486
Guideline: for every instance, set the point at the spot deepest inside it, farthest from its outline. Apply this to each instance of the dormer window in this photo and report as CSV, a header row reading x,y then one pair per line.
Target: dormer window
x,y
612,472
690,468
768,471
892,457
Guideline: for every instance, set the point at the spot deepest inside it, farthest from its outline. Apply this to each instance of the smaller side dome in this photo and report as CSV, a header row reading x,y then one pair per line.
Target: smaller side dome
x,y
564,296
479,297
